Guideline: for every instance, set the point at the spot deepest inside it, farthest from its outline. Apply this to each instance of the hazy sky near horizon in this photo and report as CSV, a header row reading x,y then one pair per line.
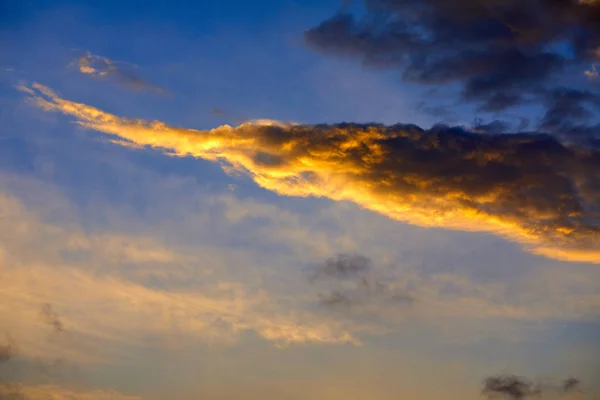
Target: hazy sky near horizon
x,y
213,201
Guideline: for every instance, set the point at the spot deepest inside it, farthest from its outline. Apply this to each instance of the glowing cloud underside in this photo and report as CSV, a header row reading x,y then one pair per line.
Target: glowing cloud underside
x,y
526,187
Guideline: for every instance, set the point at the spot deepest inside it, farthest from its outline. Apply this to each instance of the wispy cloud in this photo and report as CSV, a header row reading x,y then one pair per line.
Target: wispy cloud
x,y
103,307
511,386
526,187
51,318
120,72
350,280
517,387
7,350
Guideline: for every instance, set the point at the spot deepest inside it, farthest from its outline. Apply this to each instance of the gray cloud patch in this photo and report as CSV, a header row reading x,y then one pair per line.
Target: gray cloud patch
x,y
51,318
502,54
351,280
342,266
511,386
7,350
571,385
518,388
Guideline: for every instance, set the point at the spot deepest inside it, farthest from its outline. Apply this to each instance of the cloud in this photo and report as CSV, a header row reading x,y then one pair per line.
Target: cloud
x,y
342,266
50,317
120,72
100,285
511,386
500,54
8,350
517,387
526,187
592,73
350,280
567,107
570,385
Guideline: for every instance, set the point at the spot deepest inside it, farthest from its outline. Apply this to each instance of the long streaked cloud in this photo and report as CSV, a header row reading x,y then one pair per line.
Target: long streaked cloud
x,y
120,72
526,187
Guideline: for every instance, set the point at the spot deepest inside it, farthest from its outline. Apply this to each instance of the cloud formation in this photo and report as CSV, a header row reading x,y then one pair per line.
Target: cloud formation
x,y
527,187
501,54
571,385
511,386
517,387
98,284
350,280
7,350
120,72
342,266
50,317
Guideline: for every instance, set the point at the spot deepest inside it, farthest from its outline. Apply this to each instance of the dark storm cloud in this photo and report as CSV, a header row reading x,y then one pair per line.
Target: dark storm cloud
x,y
502,53
495,126
567,107
51,318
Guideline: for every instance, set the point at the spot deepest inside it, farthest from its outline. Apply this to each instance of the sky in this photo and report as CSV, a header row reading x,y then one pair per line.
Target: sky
x,y
286,199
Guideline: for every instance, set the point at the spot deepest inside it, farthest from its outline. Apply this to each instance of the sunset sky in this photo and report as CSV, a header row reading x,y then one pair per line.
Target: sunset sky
x,y
299,199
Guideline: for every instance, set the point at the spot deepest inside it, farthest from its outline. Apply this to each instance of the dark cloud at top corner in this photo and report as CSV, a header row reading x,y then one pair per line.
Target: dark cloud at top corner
x,y
502,53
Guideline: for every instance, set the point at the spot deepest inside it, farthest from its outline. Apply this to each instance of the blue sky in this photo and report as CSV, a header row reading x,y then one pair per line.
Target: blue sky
x,y
175,277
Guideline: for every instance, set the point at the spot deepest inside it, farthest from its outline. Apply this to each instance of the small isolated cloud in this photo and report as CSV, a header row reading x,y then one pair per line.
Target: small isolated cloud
x,y
350,280
517,387
50,317
120,72
592,73
510,386
7,350
571,385
342,266
528,187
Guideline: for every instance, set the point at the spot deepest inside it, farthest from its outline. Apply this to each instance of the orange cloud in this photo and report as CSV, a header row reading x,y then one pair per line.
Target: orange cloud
x,y
527,188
